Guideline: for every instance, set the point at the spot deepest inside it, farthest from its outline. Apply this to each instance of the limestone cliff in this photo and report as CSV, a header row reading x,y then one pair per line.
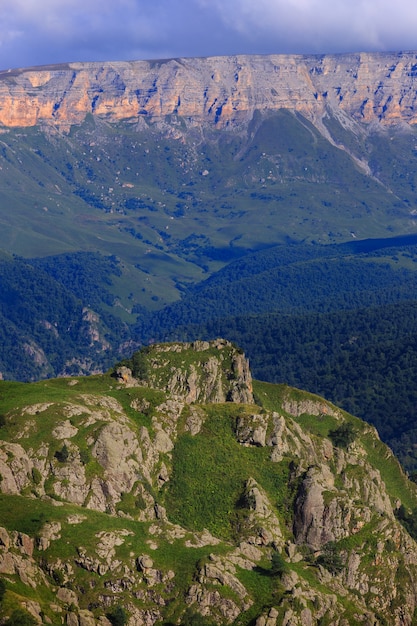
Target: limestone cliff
x,y
178,509
219,91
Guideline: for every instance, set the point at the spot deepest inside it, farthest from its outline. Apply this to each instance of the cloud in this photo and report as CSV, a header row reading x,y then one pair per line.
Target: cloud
x,y
51,31
322,26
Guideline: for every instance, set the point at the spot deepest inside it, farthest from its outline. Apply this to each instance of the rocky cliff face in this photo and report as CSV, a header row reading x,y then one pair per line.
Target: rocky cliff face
x,y
218,91
115,494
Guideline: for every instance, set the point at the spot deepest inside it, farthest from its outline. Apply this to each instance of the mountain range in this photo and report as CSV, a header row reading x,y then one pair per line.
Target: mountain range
x,y
194,198
177,157
215,91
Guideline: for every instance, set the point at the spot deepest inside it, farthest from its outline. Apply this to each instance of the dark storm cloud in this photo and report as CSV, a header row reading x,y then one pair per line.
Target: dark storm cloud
x,y
34,32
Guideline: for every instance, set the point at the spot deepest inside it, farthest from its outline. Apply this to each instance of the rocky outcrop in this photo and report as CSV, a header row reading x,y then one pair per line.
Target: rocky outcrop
x,y
216,91
322,514
209,371
263,526
15,468
16,559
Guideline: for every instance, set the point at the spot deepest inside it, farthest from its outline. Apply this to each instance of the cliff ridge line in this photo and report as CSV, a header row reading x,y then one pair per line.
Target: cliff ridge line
x,y
214,91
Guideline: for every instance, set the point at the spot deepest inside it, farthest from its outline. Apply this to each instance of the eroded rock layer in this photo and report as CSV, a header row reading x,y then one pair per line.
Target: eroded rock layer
x,y
220,91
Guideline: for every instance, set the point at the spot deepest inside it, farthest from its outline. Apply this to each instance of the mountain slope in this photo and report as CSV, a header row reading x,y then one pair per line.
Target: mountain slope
x,y
124,499
46,329
294,279
170,171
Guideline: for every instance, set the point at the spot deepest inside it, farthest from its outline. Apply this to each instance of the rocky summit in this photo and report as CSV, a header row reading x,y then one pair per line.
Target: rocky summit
x,y
224,91
176,490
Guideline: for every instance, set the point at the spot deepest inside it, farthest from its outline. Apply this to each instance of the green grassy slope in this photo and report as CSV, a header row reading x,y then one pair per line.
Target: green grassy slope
x,y
207,491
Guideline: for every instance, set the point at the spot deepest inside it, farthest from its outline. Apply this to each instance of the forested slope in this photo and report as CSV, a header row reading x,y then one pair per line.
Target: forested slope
x,y
53,317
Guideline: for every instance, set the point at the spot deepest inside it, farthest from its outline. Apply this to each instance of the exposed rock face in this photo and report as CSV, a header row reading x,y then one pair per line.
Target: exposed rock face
x,y
317,522
15,468
219,571
219,91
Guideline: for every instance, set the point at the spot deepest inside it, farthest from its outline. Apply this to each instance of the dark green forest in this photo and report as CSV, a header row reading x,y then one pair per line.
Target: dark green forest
x,y
48,310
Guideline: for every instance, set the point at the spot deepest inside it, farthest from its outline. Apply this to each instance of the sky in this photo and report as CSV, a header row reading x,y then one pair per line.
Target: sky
x,y
39,32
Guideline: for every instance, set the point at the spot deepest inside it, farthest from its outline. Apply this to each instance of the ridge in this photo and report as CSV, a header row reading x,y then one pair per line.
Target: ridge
x,y
219,91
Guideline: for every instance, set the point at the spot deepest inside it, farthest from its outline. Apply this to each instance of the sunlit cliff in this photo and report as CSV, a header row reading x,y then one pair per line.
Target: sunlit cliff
x,y
219,90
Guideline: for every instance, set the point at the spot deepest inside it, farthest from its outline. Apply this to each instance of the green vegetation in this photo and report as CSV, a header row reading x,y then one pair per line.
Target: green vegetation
x,y
342,337
126,242
278,564
128,236
408,519
261,586
62,454
141,195
138,363
45,330
2,590
210,471
191,617
343,435
330,558
219,482
37,476
21,618
200,465
360,358
283,169
89,276
118,616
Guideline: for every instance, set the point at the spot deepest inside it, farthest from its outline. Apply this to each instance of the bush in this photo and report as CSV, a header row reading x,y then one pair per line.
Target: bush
x,y
330,558
344,435
58,577
408,520
85,457
36,476
192,617
63,454
138,364
118,616
20,618
278,564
